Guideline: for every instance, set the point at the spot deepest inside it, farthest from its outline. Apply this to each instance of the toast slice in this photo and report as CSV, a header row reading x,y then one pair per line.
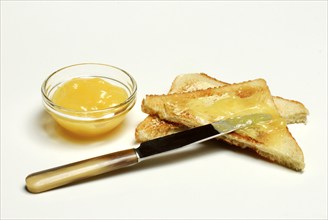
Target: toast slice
x,y
272,140
153,127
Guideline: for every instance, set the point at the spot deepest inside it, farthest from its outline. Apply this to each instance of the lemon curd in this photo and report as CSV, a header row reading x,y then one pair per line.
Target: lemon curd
x,y
94,100
88,94
231,105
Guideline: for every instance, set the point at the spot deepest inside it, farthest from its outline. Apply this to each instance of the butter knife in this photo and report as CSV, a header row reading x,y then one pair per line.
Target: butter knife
x,y
59,176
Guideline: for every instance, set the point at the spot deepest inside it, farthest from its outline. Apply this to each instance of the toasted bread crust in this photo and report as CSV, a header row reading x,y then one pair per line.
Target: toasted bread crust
x,y
153,127
295,162
192,82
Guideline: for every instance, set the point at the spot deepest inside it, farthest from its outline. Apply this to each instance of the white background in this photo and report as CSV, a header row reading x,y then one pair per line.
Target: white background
x,y
282,42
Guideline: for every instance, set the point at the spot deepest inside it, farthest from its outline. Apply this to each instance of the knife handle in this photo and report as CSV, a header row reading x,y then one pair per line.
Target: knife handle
x,y
70,173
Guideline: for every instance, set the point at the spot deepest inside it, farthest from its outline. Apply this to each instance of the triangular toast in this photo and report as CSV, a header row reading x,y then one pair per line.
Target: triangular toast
x,y
152,126
200,107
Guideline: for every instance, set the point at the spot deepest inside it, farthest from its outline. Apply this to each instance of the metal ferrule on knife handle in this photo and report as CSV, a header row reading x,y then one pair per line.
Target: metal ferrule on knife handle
x,y
70,173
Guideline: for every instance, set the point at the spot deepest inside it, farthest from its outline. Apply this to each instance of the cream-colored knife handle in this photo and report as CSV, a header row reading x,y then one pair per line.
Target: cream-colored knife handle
x,y
63,175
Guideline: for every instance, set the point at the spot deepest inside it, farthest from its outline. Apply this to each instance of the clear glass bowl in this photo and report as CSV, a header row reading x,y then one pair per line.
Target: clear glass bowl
x,y
94,122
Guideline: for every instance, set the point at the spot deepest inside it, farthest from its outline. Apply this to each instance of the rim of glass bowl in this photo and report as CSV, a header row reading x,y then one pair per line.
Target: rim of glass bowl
x,y
54,106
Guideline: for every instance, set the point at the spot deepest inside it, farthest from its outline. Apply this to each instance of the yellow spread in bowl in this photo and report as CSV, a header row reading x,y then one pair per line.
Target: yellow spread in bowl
x,y
89,106
88,94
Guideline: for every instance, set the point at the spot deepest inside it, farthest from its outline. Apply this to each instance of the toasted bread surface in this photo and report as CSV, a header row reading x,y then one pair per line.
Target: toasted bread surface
x,y
279,147
292,111
153,127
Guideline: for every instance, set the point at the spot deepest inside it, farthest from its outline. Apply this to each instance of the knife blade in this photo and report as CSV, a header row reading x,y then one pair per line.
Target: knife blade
x,y
73,172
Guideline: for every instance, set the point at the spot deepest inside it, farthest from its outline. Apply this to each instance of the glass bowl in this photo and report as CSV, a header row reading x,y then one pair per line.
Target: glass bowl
x,y
91,122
